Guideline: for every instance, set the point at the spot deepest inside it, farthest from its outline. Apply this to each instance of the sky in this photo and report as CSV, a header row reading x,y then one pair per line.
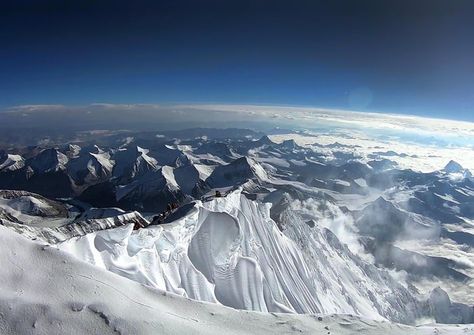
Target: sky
x,y
408,57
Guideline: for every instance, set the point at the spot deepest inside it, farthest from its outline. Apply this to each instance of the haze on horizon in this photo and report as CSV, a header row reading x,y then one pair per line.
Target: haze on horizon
x,y
399,57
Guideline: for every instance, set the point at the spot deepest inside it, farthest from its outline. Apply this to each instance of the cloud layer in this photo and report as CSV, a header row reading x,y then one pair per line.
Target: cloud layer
x,y
413,142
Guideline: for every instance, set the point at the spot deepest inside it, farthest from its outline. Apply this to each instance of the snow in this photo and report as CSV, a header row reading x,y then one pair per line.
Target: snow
x,y
204,170
341,182
274,161
132,162
413,155
66,296
453,167
12,162
33,209
228,251
237,172
447,198
49,160
97,165
54,234
297,162
104,159
459,291
168,174
361,182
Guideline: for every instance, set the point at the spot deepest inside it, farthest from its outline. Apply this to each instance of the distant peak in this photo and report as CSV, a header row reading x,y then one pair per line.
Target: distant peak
x,y
453,166
265,140
291,144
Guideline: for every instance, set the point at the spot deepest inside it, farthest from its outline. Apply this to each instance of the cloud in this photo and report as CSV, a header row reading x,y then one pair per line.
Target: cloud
x,y
328,117
344,118
418,156
424,144
330,216
34,108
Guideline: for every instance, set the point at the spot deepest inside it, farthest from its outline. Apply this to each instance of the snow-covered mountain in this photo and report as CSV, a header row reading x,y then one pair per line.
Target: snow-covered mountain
x,y
132,162
296,228
90,166
237,172
36,210
10,162
230,251
48,160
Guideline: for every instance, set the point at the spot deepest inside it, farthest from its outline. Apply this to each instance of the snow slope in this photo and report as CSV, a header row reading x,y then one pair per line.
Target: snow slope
x,y
10,162
231,252
65,296
31,208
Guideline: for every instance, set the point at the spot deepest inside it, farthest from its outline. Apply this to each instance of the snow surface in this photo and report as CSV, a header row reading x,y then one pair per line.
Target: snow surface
x,y
168,174
29,207
12,162
66,296
229,251
55,234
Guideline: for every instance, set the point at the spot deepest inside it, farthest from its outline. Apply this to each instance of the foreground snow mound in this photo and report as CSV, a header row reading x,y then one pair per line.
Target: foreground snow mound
x,y
46,291
230,251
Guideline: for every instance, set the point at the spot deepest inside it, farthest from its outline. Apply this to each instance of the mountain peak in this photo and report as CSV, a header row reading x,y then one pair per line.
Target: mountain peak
x,y
265,140
289,144
453,167
237,172
49,160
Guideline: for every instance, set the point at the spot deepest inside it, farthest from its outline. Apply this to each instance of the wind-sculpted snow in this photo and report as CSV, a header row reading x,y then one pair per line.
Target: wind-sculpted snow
x,y
46,291
231,252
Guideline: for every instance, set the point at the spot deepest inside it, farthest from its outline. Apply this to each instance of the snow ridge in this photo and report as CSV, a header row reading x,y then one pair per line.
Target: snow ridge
x,y
229,251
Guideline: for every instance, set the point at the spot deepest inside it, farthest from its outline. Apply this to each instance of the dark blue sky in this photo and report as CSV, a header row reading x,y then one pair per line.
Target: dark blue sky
x,y
413,57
